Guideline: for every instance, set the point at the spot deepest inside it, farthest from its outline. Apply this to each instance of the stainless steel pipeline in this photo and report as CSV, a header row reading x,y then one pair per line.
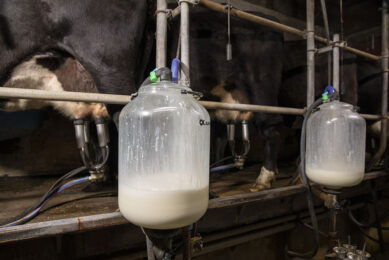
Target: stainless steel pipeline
x,y
310,52
327,30
184,37
161,38
336,67
279,26
124,99
384,100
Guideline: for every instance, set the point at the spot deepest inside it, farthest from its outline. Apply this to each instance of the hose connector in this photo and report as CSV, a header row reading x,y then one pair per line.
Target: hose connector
x,y
175,68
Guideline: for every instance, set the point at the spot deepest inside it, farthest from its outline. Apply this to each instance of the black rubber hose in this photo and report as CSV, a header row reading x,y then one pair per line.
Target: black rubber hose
x,y
305,181
52,189
365,225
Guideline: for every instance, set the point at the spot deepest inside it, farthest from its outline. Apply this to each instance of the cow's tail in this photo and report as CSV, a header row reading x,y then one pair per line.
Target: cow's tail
x,y
5,33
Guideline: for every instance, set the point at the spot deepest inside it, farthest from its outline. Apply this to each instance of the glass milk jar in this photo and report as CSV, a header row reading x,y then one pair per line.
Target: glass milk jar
x,y
335,149
164,143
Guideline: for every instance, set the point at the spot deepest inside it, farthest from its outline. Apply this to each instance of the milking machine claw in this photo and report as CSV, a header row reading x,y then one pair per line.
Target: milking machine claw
x,y
239,159
95,163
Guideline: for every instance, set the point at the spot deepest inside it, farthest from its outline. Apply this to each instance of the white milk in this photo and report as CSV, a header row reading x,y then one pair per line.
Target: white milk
x,y
334,178
162,209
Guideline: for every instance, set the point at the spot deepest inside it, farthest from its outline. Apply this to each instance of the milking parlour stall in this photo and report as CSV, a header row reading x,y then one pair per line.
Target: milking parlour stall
x,y
194,129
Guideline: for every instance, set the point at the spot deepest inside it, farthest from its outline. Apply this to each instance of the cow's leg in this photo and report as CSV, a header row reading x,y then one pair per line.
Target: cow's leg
x,y
268,172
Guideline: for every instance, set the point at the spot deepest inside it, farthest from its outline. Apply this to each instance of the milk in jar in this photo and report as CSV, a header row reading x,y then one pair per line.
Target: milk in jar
x,y
164,137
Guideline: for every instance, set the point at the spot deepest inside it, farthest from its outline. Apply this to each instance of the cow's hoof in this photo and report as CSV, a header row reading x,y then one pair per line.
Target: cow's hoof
x,y
264,180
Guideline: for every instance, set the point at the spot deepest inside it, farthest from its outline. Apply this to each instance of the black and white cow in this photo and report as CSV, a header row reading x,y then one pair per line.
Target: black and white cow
x,y
105,37
111,38
105,44
54,72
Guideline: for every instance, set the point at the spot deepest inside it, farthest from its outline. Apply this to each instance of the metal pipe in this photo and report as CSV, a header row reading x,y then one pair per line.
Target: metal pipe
x,y
184,36
149,249
310,52
384,97
161,38
279,26
233,241
336,67
327,30
124,99
176,12
241,199
187,246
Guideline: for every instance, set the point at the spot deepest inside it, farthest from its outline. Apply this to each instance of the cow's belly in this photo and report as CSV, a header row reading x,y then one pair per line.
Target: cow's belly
x,y
228,97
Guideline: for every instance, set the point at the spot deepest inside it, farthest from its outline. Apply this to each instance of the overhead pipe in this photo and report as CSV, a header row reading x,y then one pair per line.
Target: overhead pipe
x,y
125,99
327,30
336,67
279,26
161,39
384,96
310,6
184,41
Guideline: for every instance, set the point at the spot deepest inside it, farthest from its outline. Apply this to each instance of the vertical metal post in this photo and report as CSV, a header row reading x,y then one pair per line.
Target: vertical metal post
x,y
184,35
150,253
310,52
187,247
335,67
384,100
161,34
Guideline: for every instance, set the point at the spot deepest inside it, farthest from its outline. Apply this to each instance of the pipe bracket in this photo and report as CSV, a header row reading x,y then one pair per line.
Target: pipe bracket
x,y
168,12
193,2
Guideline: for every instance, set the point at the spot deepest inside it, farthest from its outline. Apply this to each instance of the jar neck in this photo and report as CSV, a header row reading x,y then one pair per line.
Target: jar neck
x,y
164,86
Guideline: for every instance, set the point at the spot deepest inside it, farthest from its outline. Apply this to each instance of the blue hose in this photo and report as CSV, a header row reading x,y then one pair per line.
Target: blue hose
x,y
175,68
74,182
34,213
222,167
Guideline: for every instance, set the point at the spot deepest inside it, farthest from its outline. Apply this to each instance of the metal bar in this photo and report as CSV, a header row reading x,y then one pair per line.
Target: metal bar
x,y
176,12
187,246
54,227
233,241
327,30
149,249
248,228
124,99
336,67
384,97
253,108
184,36
243,234
256,196
310,52
161,38
47,228
279,26
272,194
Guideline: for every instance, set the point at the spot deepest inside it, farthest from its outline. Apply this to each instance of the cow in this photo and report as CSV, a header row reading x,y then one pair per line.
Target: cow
x,y
109,41
55,72
253,76
112,39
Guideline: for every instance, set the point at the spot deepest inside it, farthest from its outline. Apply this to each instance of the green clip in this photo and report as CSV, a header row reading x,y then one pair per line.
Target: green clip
x,y
153,77
324,97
